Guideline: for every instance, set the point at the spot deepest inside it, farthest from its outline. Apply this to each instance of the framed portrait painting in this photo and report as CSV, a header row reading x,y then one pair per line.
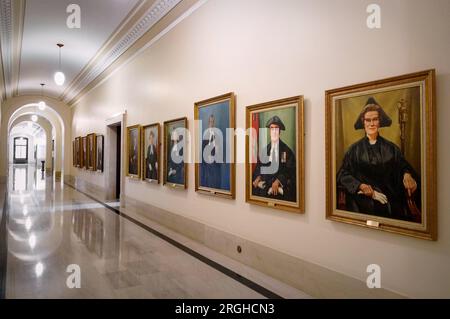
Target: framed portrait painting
x,y
274,154
174,163
84,152
151,140
92,152
74,154
134,151
100,153
215,146
380,155
78,151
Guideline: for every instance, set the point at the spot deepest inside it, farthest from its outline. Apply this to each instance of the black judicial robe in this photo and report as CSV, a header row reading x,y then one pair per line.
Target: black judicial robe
x,y
151,161
382,166
178,177
286,174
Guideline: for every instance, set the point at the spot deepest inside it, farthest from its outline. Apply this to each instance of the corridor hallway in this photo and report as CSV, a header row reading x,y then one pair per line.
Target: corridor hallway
x,y
50,227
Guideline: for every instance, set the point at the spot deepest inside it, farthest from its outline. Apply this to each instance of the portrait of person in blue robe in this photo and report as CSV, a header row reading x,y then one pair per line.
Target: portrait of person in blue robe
x,y
175,158
214,166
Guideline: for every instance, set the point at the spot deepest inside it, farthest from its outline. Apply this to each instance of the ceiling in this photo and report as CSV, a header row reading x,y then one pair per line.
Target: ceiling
x,y
30,30
26,128
45,26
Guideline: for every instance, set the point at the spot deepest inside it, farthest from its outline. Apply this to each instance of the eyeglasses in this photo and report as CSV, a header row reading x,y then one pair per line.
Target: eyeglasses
x,y
375,120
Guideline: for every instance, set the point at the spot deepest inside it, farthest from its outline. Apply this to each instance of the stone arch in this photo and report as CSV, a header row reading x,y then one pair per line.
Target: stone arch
x,y
56,112
48,129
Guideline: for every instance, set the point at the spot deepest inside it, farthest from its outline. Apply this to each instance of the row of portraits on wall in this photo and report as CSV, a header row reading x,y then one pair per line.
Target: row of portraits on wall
x,y
88,152
380,153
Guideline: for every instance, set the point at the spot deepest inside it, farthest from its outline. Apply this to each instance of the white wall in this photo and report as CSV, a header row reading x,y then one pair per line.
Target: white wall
x,y
264,50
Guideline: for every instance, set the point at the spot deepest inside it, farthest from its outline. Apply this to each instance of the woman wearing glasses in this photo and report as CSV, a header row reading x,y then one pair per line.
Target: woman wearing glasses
x,y
375,176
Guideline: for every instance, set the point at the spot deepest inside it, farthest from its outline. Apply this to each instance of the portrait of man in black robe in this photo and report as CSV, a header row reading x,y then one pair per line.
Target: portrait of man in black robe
x,y
100,153
375,178
133,152
276,179
175,168
151,159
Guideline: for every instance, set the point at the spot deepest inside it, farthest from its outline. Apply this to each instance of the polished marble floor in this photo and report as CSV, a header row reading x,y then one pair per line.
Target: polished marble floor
x,y
53,229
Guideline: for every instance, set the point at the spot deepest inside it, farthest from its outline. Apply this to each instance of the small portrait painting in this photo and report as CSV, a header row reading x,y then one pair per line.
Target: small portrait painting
x,y
215,167
99,156
151,140
74,153
84,152
92,151
133,151
275,154
175,167
78,158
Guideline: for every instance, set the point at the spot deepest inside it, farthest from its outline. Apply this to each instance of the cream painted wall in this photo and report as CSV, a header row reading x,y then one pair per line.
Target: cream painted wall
x,y
264,50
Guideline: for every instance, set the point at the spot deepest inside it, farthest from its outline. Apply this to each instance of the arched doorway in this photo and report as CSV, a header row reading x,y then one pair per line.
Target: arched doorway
x,y
57,113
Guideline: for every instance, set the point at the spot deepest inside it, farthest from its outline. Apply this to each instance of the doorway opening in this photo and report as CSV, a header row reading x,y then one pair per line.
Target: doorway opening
x,y
118,161
20,150
113,160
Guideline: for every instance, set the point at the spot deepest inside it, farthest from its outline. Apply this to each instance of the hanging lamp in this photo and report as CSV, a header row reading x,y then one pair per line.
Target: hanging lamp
x,y
59,76
42,104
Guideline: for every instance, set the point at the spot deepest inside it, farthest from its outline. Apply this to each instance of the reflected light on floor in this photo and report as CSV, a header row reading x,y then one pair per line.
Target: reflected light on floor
x,y
39,269
20,179
28,224
32,241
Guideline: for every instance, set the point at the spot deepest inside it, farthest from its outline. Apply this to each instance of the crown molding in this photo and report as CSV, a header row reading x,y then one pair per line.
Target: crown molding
x,y
144,18
6,30
2,82
12,13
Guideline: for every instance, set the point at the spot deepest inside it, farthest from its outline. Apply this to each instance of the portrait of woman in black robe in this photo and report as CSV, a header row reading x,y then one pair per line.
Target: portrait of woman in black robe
x,y
375,177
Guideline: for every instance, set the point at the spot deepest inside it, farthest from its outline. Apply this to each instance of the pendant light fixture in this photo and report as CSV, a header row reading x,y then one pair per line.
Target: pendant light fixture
x,y
59,76
42,104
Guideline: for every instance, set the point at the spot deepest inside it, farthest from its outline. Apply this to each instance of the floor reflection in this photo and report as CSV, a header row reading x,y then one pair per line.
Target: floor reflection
x,y
52,227
89,229
20,178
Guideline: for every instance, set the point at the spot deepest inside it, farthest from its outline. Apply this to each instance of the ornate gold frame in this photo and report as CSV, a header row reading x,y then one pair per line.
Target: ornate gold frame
x,y
83,153
103,153
158,142
428,121
300,204
184,185
127,164
91,157
212,191
74,153
78,154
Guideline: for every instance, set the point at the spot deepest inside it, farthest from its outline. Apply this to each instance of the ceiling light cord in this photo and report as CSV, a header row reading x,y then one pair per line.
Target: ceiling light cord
x,y
59,76
42,104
